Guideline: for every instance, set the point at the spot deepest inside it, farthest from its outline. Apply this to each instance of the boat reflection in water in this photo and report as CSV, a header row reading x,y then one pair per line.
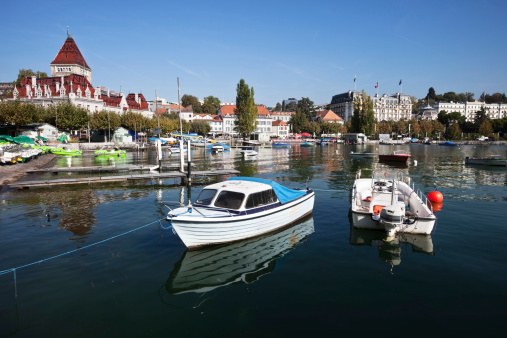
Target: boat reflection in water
x,y
390,247
241,262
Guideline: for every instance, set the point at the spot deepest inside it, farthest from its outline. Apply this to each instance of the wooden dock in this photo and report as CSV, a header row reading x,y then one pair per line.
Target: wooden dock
x,y
106,179
106,168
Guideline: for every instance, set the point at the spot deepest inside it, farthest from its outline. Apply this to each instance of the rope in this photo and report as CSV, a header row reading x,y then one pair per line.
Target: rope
x,y
84,247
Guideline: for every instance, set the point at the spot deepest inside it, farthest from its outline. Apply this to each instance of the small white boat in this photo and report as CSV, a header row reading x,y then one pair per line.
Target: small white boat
x,y
239,208
387,201
217,148
495,160
248,151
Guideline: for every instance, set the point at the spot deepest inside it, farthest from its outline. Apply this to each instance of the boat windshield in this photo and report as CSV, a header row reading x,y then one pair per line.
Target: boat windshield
x,y
229,200
261,198
206,196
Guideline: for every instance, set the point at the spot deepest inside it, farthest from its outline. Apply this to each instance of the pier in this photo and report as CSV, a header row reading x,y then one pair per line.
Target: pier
x,y
107,179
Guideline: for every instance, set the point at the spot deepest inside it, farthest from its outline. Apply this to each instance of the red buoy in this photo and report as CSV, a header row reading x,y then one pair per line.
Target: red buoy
x,y
435,196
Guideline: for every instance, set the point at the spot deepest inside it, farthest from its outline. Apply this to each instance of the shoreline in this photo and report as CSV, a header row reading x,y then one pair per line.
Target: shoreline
x,y
13,172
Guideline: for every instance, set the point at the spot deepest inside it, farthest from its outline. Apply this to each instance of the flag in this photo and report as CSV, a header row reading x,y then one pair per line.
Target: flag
x,y
376,86
399,84
354,78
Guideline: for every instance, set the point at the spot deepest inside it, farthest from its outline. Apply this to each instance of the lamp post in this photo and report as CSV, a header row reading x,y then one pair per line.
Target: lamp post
x,y
109,126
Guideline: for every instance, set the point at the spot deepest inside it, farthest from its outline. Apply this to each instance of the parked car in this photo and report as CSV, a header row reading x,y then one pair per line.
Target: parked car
x,y
482,138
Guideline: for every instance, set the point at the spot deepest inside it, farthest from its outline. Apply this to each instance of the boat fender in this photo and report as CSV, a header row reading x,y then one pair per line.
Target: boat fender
x,y
435,196
367,199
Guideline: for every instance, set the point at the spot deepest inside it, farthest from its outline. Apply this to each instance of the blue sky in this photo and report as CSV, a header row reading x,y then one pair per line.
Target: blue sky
x,y
281,48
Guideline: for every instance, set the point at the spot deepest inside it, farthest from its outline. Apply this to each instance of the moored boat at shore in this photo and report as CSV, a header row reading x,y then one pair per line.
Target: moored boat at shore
x,y
387,201
239,208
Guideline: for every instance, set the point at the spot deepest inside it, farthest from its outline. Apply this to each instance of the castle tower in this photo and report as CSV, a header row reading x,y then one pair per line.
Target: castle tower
x,y
70,61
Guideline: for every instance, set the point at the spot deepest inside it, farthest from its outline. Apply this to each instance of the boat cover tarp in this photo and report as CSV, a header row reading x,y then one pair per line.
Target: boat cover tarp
x,y
284,194
226,146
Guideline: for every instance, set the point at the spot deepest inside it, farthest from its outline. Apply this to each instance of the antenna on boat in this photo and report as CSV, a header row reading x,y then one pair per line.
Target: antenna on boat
x,y
307,178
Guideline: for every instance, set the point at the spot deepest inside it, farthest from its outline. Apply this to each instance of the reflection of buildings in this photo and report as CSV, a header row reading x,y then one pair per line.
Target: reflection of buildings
x,y
241,262
390,251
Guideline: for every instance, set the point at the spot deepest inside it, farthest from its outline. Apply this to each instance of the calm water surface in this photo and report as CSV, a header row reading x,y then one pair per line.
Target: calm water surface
x,y
318,277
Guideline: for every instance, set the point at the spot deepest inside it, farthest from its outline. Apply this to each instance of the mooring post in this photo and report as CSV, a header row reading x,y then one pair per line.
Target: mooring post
x,y
181,155
189,164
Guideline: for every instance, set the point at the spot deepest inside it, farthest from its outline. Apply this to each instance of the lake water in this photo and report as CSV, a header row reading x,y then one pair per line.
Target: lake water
x,y
319,277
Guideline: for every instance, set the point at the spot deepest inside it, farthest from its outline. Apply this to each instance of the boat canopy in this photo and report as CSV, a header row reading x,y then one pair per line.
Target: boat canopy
x,y
284,194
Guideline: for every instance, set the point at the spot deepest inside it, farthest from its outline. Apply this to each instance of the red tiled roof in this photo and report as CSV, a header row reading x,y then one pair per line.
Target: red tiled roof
x,y
328,115
278,123
69,54
78,81
230,110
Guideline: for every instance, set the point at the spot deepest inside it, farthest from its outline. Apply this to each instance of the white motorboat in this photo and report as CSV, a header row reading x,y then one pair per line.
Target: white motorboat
x,y
495,160
239,208
248,151
387,201
241,262
217,147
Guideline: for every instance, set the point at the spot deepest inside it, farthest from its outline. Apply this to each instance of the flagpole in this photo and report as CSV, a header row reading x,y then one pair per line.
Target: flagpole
x,y
354,82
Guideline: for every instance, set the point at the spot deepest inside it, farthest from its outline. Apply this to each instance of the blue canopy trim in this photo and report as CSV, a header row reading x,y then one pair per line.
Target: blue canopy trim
x,y
284,194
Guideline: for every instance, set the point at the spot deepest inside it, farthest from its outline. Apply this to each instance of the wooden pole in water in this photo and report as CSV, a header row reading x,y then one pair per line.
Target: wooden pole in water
x,y
189,164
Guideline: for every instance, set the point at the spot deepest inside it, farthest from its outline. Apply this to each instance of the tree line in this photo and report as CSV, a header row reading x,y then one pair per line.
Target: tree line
x,y
66,116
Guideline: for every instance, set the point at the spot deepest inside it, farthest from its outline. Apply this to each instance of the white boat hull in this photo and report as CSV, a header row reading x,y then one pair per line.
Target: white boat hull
x,y
365,221
218,228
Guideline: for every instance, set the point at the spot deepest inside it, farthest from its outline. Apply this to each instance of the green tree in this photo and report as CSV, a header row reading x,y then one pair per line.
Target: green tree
x,y
291,106
200,127
246,111
28,73
480,117
69,117
306,106
297,121
18,113
486,128
105,120
208,108
415,128
311,127
437,126
426,127
442,117
189,100
453,132
213,101
278,107
134,121
431,94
